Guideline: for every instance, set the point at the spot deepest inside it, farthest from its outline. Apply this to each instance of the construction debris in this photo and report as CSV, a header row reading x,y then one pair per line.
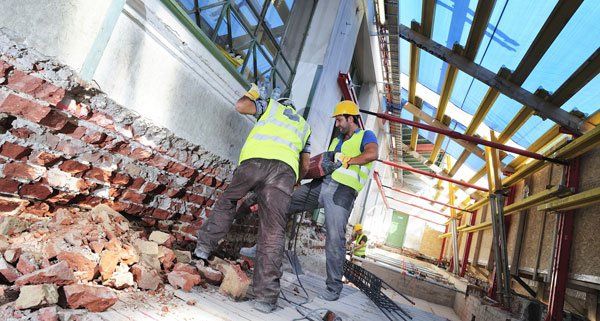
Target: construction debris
x,y
78,259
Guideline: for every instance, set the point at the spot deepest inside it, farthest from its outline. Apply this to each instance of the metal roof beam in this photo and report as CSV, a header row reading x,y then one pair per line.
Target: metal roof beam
x,y
543,108
478,27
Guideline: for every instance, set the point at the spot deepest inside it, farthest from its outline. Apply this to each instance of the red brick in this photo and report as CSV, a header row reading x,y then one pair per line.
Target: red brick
x,y
23,171
21,132
175,193
147,279
27,264
129,195
18,106
36,190
175,168
183,280
73,167
59,274
94,137
14,151
70,148
90,201
8,185
208,180
118,206
209,202
23,82
44,158
78,132
8,206
162,214
101,120
7,271
98,174
62,198
158,161
148,221
55,120
50,93
5,67
141,154
134,209
152,188
84,268
194,198
188,172
121,148
93,298
137,183
78,110
120,179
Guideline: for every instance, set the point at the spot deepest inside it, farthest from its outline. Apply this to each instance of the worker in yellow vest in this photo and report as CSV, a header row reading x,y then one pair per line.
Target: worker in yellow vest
x,y
272,160
359,244
337,191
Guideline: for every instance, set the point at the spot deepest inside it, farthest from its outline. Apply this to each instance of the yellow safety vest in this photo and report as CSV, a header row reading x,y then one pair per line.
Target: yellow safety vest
x,y
362,251
279,134
354,176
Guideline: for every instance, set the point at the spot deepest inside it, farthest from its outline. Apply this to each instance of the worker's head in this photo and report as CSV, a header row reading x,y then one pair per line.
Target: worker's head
x,y
346,116
358,228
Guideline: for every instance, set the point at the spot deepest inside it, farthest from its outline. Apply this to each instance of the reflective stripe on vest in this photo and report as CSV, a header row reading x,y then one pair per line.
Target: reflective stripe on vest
x,y
355,176
362,251
280,134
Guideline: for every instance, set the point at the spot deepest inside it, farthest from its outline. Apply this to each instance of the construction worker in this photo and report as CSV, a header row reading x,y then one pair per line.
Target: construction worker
x,y
337,191
273,158
359,245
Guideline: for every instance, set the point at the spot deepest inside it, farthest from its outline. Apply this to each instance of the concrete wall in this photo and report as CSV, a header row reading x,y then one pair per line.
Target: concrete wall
x,y
151,64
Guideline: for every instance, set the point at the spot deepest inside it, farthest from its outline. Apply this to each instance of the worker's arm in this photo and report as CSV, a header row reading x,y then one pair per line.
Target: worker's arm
x,y
368,155
361,245
304,164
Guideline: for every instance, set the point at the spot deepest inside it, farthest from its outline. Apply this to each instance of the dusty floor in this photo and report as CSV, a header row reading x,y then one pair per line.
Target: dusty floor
x,y
209,304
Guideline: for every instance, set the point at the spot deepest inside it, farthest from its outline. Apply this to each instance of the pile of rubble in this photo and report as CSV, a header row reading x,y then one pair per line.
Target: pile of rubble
x,y
78,259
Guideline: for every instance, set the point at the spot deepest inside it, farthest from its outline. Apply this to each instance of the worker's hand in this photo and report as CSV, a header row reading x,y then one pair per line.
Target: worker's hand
x,y
345,159
253,92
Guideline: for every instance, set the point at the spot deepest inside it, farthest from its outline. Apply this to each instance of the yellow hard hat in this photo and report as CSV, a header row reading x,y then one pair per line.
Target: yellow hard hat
x,y
357,227
345,107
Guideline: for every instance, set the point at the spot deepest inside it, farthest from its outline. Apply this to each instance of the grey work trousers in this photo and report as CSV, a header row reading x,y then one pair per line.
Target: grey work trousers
x,y
338,200
273,182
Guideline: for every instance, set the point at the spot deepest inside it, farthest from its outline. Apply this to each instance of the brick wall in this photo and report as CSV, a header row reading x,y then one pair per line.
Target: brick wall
x,y
65,143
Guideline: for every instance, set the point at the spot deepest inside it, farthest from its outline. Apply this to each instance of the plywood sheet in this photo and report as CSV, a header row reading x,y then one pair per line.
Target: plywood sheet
x,y
431,245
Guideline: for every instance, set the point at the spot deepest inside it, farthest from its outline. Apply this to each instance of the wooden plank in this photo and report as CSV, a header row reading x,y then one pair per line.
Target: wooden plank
x,y
543,108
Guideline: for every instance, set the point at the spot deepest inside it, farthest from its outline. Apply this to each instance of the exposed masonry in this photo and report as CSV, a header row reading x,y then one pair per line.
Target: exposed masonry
x,y
64,143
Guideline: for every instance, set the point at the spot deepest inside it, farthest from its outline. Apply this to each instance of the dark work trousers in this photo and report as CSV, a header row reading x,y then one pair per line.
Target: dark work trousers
x,y
273,182
338,200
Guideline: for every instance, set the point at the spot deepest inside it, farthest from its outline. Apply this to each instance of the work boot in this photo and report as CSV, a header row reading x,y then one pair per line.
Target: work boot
x,y
329,295
249,252
264,307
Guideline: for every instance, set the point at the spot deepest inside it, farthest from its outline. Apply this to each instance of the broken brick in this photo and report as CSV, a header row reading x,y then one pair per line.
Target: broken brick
x,y
23,171
54,120
131,196
98,174
8,206
35,296
101,120
36,190
21,107
21,132
235,282
45,158
8,272
14,151
121,179
147,279
141,154
209,274
183,280
59,274
108,263
12,255
93,298
73,167
85,269
167,257
161,238
27,264
161,214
